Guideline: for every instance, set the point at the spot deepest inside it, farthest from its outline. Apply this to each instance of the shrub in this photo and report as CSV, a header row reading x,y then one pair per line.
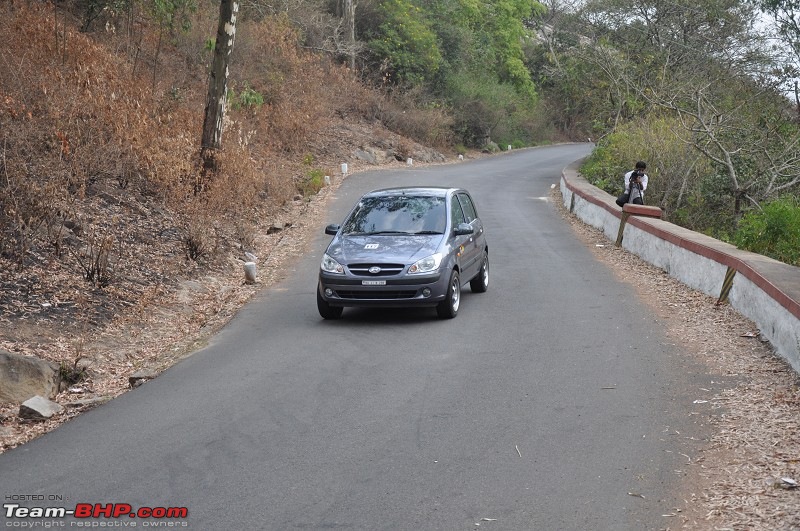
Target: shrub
x,y
247,98
773,231
681,182
312,182
603,169
490,147
95,258
71,374
415,114
488,108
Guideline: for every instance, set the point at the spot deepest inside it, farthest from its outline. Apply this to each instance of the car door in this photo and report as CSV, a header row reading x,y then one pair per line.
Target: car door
x,y
461,242
473,248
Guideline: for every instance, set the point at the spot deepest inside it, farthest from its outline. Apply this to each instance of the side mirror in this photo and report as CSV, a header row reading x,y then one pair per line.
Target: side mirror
x,y
463,229
332,229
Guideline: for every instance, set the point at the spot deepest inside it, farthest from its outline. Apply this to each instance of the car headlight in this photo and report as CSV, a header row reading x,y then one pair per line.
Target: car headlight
x,y
427,264
329,265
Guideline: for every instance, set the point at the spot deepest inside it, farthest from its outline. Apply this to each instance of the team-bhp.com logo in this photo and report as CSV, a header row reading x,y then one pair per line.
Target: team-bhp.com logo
x,y
88,514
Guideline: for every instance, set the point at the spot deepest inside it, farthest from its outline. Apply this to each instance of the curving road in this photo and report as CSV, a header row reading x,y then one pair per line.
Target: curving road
x,y
551,402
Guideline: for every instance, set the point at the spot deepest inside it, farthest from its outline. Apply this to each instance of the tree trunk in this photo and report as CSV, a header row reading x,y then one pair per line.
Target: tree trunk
x,y
350,28
797,98
218,79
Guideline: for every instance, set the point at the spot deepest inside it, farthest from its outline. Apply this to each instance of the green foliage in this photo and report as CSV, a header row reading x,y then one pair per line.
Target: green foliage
x,y
505,20
247,98
681,181
486,37
314,178
608,162
250,98
486,108
773,231
405,43
312,182
466,53
708,207
173,14
491,147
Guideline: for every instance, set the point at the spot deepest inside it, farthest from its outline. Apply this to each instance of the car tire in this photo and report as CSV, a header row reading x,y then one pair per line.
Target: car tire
x,y
448,308
326,310
480,283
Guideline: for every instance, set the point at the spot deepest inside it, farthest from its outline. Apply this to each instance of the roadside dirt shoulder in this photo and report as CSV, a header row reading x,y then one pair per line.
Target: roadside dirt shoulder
x,y
736,483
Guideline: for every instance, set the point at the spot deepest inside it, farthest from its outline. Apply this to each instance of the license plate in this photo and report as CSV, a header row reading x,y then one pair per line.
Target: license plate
x,y
373,282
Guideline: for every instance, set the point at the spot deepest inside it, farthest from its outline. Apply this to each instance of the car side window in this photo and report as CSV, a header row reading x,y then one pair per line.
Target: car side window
x,y
456,214
469,207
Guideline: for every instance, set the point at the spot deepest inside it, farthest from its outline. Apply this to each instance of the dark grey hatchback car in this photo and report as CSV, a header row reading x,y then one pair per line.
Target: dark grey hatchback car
x,y
403,247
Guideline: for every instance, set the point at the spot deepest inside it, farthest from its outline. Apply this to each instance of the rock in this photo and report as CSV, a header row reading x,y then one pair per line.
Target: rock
x,y
365,156
428,155
274,228
193,286
375,155
139,377
5,432
22,377
74,226
39,408
88,402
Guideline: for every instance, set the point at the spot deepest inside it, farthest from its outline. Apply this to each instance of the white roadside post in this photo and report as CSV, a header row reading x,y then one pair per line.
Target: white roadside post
x,y
250,272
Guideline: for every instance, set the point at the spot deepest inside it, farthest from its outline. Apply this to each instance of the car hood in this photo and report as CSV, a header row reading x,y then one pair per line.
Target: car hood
x,y
384,248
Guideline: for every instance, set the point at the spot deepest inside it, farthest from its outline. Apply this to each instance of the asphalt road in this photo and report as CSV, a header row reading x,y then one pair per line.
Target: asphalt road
x,y
551,402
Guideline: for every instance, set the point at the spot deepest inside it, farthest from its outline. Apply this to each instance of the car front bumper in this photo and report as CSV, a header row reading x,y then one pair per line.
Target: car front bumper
x,y
350,290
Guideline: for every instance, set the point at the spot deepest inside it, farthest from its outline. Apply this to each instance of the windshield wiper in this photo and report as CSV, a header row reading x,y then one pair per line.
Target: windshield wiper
x,y
403,232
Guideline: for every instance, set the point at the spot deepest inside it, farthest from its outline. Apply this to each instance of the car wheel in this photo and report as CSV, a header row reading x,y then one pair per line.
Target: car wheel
x,y
480,283
326,310
448,308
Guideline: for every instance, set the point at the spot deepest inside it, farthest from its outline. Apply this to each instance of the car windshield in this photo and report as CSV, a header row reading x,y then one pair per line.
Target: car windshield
x,y
400,214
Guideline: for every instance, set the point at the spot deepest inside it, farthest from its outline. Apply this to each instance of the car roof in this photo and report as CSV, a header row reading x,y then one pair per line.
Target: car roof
x,y
436,191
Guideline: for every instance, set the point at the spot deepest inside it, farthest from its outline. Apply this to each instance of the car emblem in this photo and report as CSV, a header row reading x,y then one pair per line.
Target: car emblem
x,y
374,270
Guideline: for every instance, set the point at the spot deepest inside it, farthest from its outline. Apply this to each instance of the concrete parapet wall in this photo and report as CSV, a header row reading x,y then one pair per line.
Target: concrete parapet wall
x,y
763,290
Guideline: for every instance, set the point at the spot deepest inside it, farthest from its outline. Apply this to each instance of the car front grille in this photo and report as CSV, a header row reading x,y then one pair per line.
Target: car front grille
x,y
376,295
362,270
